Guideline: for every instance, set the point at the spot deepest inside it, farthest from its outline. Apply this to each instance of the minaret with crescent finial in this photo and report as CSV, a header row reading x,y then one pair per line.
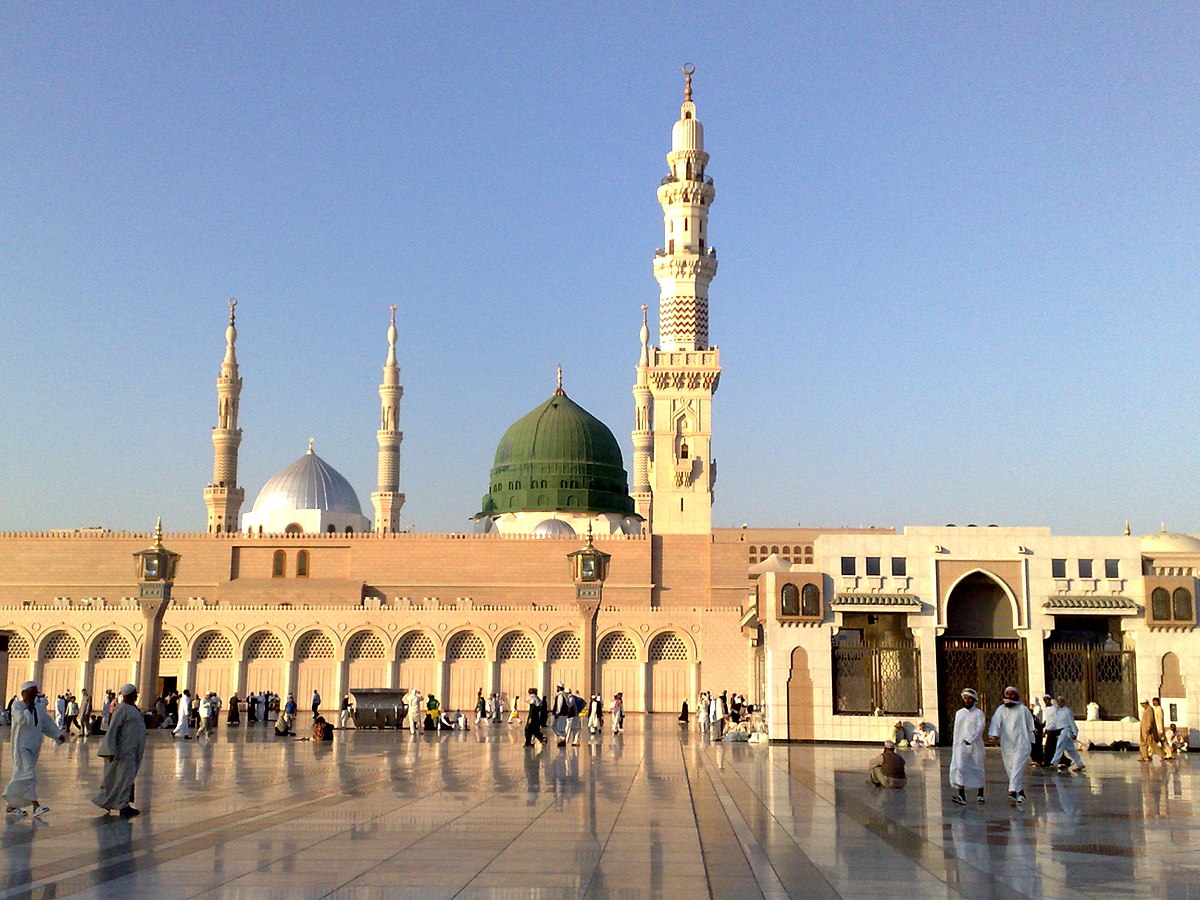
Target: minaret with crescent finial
x,y
223,497
673,471
387,498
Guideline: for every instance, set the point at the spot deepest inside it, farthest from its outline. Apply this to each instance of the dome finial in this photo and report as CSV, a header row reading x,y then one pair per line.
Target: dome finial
x,y
158,534
558,391
310,446
689,69
232,309
393,309
1127,532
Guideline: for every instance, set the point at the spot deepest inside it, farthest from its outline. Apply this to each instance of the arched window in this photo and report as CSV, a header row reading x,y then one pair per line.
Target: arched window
x,y
301,564
349,530
293,528
278,564
1181,601
789,600
810,600
1160,605
683,450
332,529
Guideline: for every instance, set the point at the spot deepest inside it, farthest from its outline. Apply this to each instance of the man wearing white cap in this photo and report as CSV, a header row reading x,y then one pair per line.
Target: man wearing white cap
x,y
966,755
122,749
29,726
1012,723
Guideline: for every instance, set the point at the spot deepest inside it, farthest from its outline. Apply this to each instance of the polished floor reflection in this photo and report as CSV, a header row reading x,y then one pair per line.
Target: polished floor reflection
x,y
656,811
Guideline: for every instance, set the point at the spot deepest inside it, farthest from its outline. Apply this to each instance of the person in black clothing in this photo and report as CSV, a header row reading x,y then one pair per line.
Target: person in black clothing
x,y
535,720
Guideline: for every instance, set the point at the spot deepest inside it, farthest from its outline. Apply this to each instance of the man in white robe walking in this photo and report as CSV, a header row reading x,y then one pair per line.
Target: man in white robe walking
x,y
122,749
1012,723
1068,732
30,726
966,755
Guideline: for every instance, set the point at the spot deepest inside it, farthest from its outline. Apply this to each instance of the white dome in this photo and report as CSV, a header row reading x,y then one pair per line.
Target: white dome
x,y
308,483
1165,542
554,528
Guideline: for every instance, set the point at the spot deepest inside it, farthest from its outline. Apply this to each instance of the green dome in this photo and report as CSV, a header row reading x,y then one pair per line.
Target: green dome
x,y
557,458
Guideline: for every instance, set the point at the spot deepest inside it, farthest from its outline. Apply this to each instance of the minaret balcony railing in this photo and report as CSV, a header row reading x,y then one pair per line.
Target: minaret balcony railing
x,y
671,179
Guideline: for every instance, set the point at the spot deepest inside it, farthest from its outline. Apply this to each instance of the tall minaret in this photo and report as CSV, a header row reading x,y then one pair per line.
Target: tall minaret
x,y
672,443
388,500
223,497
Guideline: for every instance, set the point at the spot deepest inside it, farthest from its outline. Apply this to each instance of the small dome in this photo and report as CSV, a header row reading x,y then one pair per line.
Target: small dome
x,y
1165,542
554,528
688,133
308,483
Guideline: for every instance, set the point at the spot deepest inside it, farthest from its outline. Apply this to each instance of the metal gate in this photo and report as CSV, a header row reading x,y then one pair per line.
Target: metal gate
x,y
988,665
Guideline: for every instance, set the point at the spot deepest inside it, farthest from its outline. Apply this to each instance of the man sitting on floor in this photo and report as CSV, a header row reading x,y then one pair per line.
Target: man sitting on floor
x,y
887,769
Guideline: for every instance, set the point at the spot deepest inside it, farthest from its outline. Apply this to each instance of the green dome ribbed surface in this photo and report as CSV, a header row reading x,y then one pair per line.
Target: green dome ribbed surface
x,y
558,457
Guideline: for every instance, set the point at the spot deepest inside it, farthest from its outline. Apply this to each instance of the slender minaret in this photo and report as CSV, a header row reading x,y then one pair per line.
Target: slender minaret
x,y
223,497
388,500
673,428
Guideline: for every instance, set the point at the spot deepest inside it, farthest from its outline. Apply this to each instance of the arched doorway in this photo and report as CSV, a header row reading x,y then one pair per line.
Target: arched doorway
x,y
466,658
617,657
214,664
315,669
801,725
266,663
670,673
979,648
20,659
112,663
416,665
563,657
60,665
366,662
516,664
1173,693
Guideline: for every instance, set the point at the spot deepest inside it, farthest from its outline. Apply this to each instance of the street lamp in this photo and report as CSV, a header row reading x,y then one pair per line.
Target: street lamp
x,y
589,568
156,575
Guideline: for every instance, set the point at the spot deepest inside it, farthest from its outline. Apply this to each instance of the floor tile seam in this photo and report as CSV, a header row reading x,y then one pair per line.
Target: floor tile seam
x,y
442,826
708,874
844,809
586,888
760,864
162,843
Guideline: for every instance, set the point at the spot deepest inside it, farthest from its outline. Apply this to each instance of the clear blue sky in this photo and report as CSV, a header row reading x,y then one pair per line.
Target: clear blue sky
x,y
959,249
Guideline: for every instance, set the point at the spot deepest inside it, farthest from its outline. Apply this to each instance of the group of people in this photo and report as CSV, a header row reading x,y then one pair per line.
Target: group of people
x,y
122,747
717,713
1167,742
564,712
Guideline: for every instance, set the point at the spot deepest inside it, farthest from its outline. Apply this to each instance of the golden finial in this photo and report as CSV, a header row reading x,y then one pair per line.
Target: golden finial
x,y
232,309
158,534
1127,532
310,445
689,69
558,391
393,309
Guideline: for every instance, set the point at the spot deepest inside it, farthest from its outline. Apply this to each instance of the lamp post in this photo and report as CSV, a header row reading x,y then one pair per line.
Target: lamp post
x,y
589,568
156,574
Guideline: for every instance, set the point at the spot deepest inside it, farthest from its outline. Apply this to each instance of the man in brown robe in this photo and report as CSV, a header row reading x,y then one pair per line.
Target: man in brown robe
x,y
122,749
1151,739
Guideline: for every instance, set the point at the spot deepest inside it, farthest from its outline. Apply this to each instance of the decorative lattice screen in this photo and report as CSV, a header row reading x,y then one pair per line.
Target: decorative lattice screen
x,y
415,645
111,645
366,645
264,645
60,645
214,645
466,645
315,645
668,646
517,645
565,645
617,646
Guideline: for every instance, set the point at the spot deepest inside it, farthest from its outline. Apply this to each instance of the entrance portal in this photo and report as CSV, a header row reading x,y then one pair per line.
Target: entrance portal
x,y
979,649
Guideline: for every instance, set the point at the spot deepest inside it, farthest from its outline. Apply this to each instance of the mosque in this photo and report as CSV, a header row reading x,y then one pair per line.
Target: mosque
x,y
835,633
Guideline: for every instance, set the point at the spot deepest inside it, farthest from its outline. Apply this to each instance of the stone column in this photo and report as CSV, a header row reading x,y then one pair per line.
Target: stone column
x,y
155,596
587,613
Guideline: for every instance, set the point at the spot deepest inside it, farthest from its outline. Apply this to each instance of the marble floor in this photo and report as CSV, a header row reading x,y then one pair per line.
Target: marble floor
x,y
657,811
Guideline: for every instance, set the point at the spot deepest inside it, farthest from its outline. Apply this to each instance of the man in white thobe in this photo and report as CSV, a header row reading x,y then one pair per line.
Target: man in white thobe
x,y
1012,723
415,701
181,727
30,726
122,749
1065,720
966,755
